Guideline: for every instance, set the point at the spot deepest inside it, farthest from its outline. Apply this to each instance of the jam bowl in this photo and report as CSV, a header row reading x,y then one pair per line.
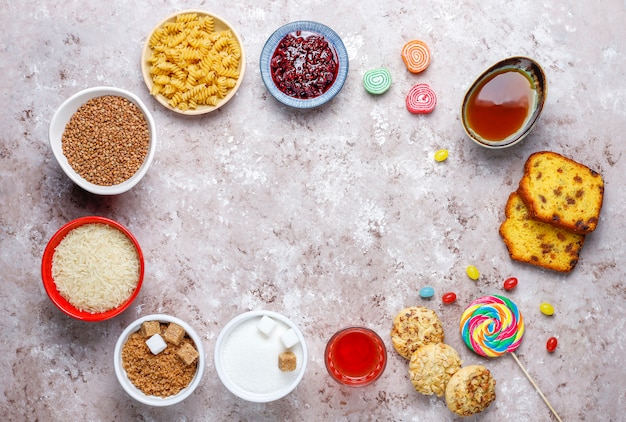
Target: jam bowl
x,y
304,64
504,103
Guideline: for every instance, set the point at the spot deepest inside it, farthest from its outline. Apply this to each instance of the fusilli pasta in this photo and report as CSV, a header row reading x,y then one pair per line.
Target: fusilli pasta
x,y
191,64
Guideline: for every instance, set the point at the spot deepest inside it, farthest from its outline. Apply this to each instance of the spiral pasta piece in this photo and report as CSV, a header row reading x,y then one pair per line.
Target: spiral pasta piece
x,y
377,81
421,99
492,326
416,56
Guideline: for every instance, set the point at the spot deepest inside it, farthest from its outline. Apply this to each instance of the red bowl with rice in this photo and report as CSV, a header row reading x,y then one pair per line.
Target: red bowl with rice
x,y
107,298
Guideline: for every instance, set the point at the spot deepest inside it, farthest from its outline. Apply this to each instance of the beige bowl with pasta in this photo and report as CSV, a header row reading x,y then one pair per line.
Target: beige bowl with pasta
x,y
193,62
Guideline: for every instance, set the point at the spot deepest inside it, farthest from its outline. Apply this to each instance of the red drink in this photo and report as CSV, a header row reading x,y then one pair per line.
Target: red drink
x,y
355,356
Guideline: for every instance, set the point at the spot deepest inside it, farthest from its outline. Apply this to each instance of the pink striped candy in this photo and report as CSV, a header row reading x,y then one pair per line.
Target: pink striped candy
x,y
421,99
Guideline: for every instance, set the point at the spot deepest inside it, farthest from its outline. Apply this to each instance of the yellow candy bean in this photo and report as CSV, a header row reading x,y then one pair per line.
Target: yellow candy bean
x,y
546,309
441,155
472,272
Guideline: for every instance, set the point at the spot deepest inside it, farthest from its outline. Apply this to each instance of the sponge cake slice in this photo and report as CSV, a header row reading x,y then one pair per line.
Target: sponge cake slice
x,y
562,192
536,242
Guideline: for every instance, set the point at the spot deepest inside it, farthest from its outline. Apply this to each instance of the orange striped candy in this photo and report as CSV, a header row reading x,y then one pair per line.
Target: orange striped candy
x,y
416,56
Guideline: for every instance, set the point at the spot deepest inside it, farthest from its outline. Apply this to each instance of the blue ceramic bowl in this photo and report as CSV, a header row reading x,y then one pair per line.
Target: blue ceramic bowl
x,y
304,26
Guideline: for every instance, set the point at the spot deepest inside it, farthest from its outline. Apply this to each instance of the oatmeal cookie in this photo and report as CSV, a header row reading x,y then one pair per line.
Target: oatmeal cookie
x,y
414,327
470,390
432,366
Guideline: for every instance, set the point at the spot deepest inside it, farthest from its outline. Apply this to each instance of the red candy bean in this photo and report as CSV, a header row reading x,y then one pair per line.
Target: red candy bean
x,y
551,344
448,298
510,283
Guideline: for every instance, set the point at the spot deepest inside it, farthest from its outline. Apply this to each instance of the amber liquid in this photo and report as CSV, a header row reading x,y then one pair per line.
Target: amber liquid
x,y
500,105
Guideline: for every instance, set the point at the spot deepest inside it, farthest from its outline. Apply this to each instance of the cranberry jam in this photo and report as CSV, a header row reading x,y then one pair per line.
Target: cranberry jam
x,y
304,65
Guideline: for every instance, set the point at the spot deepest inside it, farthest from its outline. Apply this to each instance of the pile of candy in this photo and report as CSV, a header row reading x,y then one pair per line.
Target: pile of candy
x,y
421,99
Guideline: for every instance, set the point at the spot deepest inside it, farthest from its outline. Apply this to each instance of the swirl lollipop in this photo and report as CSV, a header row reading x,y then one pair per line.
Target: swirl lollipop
x,y
492,326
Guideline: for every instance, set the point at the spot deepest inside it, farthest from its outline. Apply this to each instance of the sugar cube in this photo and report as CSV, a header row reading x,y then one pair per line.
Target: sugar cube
x,y
174,333
150,328
266,325
187,353
156,344
287,361
289,338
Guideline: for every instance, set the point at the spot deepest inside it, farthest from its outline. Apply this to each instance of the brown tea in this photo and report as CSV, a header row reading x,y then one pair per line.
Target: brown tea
x,y
500,104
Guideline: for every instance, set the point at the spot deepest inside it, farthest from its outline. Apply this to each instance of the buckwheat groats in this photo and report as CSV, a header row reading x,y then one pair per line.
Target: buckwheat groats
x,y
106,140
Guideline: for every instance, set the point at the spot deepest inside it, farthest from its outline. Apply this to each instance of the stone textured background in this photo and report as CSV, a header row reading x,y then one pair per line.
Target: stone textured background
x,y
333,217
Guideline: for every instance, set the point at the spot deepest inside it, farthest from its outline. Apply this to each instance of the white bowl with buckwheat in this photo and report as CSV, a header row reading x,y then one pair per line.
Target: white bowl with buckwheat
x,y
104,139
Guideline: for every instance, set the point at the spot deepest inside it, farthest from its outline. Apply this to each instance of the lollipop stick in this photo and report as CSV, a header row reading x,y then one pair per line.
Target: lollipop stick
x,y
556,415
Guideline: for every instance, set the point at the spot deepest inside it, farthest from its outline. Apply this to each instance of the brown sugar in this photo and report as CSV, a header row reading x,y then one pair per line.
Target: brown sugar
x,y
174,333
159,375
150,328
287,361
187,353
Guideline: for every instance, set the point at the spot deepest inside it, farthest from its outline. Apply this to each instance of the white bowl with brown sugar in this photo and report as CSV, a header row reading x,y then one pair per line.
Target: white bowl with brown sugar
x,y
159,360
104,139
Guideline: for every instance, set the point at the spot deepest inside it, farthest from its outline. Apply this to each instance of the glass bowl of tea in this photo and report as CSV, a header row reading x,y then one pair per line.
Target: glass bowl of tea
x,y
504,103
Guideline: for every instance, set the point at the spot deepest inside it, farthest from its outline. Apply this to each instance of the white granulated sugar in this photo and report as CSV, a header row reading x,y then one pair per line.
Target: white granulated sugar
x,y
255,13
353,43
609,54
251,358
381,124
371,223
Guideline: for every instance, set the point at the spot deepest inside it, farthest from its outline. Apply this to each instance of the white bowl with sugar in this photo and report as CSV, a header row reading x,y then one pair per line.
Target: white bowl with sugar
x,y
247,354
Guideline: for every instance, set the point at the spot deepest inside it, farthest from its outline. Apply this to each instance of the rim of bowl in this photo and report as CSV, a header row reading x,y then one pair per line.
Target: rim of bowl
x,y
532,69
136,393
236,389
48,281
268,51
62,116
221,23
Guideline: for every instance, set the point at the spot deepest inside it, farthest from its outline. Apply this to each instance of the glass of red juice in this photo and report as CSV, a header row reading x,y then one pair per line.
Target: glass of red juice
x,y
355,356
